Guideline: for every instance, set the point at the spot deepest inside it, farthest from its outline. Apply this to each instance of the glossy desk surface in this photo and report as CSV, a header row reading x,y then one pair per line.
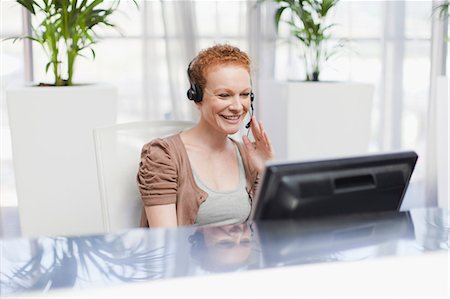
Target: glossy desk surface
x,y
84,262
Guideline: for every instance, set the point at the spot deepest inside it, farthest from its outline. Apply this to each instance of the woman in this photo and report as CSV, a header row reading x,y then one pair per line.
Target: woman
x,y
224,248
201,176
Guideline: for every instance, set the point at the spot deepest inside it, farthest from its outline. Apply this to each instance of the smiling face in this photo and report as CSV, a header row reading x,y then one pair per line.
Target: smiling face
x,y
226,98
227,245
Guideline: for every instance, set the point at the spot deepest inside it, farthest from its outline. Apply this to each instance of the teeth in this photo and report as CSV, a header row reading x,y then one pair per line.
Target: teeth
x,y
233,117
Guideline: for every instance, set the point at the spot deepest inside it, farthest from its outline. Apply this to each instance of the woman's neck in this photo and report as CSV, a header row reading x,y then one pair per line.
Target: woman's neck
x,y
203,137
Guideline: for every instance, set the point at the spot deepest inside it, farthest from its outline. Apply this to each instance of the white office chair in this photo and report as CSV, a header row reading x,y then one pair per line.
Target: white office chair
x,y
117,150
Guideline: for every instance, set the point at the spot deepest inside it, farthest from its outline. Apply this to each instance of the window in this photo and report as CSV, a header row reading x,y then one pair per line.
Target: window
x,y
389,47
11,73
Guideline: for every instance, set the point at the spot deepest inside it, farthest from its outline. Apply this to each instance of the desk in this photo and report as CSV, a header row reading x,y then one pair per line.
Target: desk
x,y
114,260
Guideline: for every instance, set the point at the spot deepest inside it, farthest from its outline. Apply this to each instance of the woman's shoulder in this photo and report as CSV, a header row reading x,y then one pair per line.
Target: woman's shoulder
x,y
167,142
169,147
165,145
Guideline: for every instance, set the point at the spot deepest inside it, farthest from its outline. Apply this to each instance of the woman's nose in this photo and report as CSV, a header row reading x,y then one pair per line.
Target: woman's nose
x,y
236,230
236,102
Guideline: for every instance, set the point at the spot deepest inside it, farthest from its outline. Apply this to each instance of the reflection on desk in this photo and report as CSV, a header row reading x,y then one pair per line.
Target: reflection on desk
x,y
82,262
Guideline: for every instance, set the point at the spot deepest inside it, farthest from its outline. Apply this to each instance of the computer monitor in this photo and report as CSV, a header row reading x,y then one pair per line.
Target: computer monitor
x,y
299,190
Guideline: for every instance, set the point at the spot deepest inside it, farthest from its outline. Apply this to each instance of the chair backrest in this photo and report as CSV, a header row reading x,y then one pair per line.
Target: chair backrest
x,y
117,150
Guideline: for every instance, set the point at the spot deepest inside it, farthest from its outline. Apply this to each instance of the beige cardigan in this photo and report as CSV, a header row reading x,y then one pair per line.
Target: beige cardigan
x,y
165,177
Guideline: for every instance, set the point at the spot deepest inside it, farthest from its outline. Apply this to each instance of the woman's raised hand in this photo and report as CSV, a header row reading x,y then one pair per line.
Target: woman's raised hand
x,y
261,150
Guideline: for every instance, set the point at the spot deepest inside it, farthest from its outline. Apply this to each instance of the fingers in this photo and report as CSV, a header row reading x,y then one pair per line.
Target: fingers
x,y
267,141
262,141
263,133
256,130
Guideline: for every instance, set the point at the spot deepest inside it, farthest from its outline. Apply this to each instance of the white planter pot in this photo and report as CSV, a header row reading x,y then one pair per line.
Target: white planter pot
x,y
442,140
317,120
54,157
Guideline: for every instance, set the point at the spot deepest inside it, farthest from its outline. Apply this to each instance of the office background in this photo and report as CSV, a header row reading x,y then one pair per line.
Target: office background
x,y
390,45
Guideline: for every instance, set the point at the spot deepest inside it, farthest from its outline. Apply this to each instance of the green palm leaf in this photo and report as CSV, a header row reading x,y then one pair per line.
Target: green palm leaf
x,y
29,5
68,28
309,25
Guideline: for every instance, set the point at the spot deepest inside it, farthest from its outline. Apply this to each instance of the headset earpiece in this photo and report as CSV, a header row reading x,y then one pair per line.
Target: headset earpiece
x,y
194,93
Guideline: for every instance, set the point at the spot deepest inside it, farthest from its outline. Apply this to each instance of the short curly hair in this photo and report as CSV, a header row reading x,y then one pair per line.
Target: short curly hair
x,y
219,54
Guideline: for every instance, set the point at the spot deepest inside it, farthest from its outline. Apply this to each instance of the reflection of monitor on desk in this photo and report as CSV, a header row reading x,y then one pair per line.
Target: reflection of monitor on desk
x,y
308,241
300,190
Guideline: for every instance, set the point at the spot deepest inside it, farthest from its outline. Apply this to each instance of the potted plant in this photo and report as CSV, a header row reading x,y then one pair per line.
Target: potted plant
x,y
66,31
323,119
310,26
51,123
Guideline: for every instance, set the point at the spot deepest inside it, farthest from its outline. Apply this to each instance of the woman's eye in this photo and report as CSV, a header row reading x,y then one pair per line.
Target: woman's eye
x,y
245,95
224,95
246,243
225,244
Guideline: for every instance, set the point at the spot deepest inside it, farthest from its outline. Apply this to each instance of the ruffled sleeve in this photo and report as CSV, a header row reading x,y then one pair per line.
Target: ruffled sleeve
x,y
157,176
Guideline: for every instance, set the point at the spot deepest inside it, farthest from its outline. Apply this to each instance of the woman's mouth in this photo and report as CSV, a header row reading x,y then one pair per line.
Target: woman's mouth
x,y
232,118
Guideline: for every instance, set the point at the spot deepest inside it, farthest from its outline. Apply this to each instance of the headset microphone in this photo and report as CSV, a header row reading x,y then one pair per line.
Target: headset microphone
x,y
249,124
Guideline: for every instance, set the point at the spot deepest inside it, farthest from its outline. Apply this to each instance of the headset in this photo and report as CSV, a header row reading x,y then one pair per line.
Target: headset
x,y
195,93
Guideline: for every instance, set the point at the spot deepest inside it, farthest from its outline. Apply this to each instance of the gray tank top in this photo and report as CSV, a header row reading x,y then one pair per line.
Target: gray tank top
x,y
221,208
